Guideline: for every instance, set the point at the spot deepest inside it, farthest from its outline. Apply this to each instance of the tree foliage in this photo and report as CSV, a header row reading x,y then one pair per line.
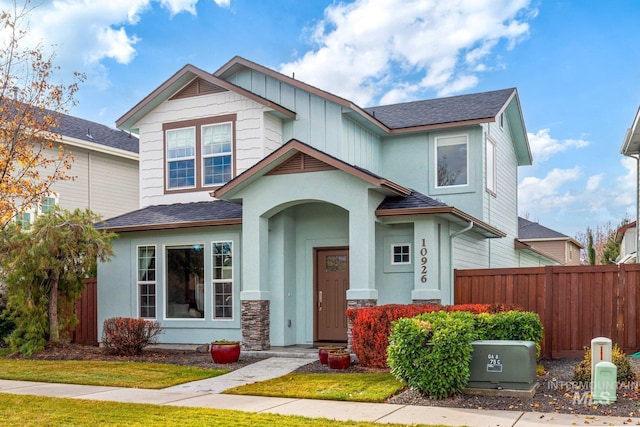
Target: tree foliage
x,y
43,269
31,155
591,251
605,248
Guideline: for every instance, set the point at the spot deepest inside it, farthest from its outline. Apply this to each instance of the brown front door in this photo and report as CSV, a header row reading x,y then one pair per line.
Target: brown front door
x,y
332,283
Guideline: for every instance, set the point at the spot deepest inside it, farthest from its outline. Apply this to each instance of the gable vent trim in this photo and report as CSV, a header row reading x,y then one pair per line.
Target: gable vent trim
x,y
299,163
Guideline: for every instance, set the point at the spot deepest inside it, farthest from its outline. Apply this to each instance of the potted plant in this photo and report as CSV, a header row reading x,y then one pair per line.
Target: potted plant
x,y
324,350
339,359
224,351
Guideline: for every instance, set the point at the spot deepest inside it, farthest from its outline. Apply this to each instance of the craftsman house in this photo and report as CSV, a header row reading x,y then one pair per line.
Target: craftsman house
x,y
552,244
268,205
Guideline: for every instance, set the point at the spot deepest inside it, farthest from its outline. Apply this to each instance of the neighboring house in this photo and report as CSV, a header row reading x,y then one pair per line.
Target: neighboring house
x,y
550,243
626,237
105,170
268,205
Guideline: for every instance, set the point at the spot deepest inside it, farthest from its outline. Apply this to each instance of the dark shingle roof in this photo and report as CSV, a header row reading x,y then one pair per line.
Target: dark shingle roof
x,y
414,200
452,109
177,214
532,230
96,133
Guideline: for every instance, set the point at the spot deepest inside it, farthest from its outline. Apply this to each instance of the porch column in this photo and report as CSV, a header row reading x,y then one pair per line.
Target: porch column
x,y
255,296
362,250
429,247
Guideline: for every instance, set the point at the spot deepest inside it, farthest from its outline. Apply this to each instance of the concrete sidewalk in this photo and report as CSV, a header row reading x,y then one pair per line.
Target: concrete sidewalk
x,y
205,394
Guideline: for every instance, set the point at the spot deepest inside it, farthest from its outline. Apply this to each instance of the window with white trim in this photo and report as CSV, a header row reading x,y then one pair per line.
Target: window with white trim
x,y
48,203
400,254
222,273
146,279
216,153
452,161
181,158
491,169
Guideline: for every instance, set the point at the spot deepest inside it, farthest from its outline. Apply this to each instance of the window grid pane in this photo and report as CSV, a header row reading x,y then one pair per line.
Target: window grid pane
x,y
401,254
181,143
217,170
146,281
216,139
181,174
222,266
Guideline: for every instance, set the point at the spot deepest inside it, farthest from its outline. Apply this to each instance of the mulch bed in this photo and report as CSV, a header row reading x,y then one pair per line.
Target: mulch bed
x,y
556,392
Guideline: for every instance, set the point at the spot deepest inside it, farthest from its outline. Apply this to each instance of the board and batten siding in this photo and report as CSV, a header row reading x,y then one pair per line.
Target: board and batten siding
x,y
319,122
104,183
251,143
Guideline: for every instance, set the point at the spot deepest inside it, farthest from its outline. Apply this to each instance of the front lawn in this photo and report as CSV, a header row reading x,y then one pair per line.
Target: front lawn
x,y
369,387
114,374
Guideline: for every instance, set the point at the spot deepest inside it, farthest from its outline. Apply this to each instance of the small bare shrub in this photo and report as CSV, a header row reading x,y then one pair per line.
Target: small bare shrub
x,y
582,371
124,336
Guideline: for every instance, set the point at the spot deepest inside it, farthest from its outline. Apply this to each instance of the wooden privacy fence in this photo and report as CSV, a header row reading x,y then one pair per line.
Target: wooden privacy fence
x,y
86,331
575,303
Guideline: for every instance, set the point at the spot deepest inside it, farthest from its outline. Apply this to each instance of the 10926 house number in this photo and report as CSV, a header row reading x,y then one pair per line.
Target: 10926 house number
x,y
423,261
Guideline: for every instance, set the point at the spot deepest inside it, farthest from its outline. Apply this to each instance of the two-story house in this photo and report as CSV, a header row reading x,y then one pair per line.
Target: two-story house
x,y
269,206
104,170
550,243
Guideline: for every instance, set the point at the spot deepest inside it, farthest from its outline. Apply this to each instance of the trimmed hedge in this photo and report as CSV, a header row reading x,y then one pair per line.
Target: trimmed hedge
x,y
432,352
371,326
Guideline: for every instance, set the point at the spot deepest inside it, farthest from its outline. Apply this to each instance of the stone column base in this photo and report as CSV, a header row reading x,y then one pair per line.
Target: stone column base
x,y
427,301
357,303
255,325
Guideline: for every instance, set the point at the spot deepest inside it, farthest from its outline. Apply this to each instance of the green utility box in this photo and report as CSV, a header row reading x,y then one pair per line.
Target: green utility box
x,y
503,365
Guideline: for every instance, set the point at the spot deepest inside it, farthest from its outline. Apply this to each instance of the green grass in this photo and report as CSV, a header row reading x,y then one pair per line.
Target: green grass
x,y
368,387
115,374
32,411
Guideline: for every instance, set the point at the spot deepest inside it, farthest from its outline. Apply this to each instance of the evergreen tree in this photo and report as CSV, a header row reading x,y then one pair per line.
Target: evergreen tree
x,y
43,269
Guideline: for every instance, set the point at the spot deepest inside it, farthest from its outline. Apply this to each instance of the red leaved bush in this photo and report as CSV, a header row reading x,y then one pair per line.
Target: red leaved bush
x,y
125,336
371,326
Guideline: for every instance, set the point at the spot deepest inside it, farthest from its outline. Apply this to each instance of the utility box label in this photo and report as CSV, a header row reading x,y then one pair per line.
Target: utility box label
x,y
494,363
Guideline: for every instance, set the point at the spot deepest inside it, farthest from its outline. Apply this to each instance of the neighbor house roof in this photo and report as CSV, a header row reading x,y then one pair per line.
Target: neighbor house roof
x,y
622,230
530,231
96,133
179,215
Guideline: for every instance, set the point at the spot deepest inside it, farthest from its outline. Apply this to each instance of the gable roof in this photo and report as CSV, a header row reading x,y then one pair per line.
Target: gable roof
x,y
293,147
462,108
179,80
179,215
530,231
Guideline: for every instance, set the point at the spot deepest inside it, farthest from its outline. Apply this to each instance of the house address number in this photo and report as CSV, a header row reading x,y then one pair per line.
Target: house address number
x,y
423,261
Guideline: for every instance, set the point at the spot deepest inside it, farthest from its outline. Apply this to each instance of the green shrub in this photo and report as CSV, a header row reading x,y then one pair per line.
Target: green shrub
x,y
582,371
6,324
431,352
510,325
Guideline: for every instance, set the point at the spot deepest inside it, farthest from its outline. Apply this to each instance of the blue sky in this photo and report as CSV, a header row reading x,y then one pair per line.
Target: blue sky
x,y
576,65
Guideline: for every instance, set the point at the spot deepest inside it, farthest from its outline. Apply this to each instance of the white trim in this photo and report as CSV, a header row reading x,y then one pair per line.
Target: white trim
x,y
216,281
94,146
168,160
494,162
203,157
146,282
436,139
393,245
165,282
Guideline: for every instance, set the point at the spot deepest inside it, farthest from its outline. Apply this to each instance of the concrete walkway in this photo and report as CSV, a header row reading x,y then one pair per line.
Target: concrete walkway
x,y
205,394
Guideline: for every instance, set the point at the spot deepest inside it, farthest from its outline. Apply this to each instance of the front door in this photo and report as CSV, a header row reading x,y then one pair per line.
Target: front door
x,y
331,285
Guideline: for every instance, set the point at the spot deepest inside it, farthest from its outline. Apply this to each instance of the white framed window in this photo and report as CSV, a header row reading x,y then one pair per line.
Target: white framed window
x,y
26,218
400,254
491,166
217,153
222,279
48,203
181,157
146,280
184,287
452,165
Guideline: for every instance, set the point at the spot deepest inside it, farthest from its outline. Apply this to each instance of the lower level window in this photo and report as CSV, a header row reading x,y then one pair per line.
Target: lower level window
x,y
400,254
222,265
147,281
185,281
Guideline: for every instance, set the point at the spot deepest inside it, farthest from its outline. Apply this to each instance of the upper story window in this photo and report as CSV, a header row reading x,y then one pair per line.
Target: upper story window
x,y
199,154
452,166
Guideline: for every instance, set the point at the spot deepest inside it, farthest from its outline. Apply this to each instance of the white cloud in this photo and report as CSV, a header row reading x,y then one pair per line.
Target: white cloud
x,y
442,45
543,146
538,195
593,183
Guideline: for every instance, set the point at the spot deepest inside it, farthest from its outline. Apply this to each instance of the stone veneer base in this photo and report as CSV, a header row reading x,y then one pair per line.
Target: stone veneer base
x,y
255,325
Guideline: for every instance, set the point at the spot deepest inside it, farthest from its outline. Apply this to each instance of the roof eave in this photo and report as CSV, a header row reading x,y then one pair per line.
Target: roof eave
x,y
631,142
479,226
171,226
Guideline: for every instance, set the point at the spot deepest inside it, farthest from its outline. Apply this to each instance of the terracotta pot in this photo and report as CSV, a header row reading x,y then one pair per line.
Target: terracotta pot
x,y
324,351
339,359
225,352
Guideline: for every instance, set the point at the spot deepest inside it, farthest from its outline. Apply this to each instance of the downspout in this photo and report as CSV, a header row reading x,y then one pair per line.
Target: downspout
x,y
637,207
451,237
